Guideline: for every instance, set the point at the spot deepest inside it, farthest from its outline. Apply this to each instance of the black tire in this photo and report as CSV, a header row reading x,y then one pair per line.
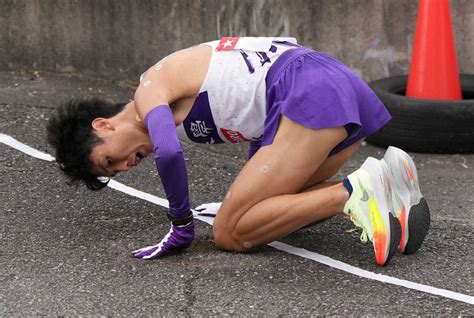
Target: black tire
x,y
422,125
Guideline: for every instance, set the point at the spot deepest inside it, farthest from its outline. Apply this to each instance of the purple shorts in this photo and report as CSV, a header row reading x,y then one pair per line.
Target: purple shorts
x,y
317,91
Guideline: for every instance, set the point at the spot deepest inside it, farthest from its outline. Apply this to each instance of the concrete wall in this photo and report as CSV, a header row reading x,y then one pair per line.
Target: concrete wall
x,y
120,38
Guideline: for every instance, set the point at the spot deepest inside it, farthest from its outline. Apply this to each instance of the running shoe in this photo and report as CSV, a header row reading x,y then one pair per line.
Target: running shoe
x,y
409,206
369,208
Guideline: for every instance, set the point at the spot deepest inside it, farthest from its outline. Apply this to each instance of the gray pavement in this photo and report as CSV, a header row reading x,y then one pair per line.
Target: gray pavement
x,y
66,250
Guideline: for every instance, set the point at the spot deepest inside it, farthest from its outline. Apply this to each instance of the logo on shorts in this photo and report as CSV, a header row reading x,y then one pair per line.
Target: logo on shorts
x,y
199,129
233,136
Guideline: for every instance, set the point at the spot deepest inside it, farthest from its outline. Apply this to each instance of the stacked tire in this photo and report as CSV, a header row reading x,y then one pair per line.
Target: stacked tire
x,y
421,125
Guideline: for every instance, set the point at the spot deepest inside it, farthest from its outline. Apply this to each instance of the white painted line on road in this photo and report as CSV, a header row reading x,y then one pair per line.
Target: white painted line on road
x,y
9,141
370,275
137,193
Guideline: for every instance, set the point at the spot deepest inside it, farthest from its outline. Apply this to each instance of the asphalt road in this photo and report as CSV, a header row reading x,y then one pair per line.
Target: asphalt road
x,y
66,250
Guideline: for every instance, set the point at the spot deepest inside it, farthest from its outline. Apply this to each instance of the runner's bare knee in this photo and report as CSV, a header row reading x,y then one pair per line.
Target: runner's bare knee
x,y
225,239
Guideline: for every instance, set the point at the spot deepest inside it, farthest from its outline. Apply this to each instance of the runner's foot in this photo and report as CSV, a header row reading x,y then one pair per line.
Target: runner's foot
x,y
409,206
369,208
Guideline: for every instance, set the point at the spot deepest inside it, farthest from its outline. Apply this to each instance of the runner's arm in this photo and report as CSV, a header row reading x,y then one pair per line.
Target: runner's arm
x,y
157,90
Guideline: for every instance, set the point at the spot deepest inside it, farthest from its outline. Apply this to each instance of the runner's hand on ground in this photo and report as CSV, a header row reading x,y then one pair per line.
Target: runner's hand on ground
x,y
208,209
178,238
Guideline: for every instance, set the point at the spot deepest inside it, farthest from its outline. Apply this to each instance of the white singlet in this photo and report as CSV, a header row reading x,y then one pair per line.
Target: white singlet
x,y
231,104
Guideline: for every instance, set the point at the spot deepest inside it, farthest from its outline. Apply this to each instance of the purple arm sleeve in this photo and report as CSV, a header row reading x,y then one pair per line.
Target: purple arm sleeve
x,y
169,159
253,148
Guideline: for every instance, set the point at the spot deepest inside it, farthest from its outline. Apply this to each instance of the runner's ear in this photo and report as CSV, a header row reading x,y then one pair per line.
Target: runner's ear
x,y
102,124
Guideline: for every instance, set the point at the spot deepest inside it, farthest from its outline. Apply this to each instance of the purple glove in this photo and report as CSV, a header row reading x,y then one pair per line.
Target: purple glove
x,y
179,237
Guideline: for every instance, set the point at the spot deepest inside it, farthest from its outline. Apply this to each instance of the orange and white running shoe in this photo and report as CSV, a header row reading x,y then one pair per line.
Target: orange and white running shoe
x,y
409,206
369,207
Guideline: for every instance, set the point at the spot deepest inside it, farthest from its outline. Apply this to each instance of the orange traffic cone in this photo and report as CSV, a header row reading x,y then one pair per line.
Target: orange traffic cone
x,y
433,71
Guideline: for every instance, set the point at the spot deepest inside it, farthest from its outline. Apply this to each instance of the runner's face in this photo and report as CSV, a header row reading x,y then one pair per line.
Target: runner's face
x,y
123,147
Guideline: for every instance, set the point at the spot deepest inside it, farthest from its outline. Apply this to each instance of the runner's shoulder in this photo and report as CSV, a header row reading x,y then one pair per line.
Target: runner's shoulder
x,y
177,76
185,62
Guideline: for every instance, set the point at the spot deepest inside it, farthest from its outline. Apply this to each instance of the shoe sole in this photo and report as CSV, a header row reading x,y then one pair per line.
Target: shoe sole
x,y
386,227
415,215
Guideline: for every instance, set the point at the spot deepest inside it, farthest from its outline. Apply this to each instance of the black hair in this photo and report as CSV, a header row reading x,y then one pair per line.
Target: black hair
x,y
70,132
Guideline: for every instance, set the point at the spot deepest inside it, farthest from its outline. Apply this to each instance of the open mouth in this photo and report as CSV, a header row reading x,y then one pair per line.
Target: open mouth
x,y
139,156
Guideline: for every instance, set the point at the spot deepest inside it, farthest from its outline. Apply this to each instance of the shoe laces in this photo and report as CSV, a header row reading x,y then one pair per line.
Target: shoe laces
x,y
363,236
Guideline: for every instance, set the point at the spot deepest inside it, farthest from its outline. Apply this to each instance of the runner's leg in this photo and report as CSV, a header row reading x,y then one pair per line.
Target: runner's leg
x,y
263,203
331,166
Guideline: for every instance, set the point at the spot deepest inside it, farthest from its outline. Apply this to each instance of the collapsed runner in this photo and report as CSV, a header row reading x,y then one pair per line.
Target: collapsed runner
x,y
303,113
